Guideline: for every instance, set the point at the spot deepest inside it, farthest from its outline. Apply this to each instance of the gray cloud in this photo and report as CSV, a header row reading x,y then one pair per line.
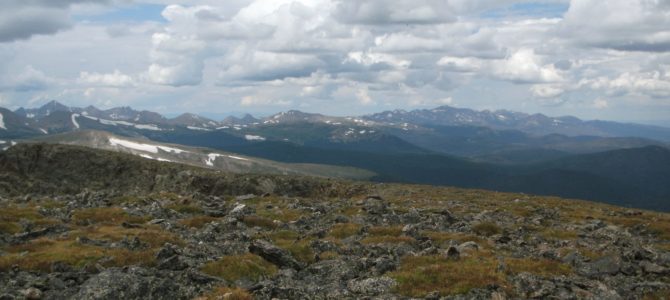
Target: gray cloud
x,y
22,19
381,12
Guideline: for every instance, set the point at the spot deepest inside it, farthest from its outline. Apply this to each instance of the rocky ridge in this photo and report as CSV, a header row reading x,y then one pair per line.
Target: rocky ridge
x,y
137,229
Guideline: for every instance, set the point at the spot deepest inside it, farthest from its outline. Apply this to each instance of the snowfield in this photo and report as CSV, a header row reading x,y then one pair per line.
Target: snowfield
x,y
124,123
213,156
2,122
74,120
250,137
143,147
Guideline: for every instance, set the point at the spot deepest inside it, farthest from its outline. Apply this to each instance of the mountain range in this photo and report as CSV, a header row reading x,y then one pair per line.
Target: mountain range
x,y
619,163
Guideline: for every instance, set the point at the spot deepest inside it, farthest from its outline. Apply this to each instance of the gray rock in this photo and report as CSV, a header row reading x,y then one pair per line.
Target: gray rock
x,y
134,284
32,293
452,253
608,265
649,267
372,286
274,254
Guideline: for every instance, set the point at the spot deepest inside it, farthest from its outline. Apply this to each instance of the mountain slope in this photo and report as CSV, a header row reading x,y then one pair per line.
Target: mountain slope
x,y
199,157
595,181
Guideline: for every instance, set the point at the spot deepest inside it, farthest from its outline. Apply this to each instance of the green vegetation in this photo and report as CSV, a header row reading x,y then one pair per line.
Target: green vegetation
x,y
12,216
420,275
104,216
185,208
344,230
235,267
227,293
386,235
197,221
486,229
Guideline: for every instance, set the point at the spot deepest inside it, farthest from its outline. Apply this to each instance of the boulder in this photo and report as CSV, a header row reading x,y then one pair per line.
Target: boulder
x,y
274,254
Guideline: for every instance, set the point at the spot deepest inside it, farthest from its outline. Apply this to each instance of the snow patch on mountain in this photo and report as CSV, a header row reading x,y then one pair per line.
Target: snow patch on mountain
x,y
2,122
74,120
143,147
250,137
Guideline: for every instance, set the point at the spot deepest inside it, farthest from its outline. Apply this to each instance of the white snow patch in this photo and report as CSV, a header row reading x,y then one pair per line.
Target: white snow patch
x,y
44,131
236,157
170,149
13,143
2,142
2,122
74,120
147,127
133,145
154,158
124,123
30,116
211,158
198,128
250,137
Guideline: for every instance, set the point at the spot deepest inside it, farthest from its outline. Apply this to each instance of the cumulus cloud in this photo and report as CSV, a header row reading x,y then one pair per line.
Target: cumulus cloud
x,y
521,66
626,25
379,12
547,90
655,84
21,19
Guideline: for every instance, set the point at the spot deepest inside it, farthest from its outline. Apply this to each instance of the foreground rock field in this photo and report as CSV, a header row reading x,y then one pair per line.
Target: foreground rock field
x,y
146,230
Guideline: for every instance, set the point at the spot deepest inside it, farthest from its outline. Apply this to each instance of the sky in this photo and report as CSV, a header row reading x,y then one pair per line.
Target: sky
x,y
592,59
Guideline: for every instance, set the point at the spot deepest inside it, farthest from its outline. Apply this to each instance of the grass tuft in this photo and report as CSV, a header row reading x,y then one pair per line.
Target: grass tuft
x,y
486,228
236,267
420,275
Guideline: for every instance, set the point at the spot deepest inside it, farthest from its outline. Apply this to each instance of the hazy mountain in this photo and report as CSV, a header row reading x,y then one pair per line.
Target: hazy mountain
x,y
194,121
14,126
247,119
43,111
536,124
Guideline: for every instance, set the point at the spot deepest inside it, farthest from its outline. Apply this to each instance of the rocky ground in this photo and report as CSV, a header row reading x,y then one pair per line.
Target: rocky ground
x,y
270,237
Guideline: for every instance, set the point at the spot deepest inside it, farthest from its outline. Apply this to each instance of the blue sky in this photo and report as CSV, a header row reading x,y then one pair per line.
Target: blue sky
x,y
341,57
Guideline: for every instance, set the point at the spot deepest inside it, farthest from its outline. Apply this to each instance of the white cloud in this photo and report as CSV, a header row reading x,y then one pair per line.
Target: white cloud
x,y
600,103
256,100
115,79
461,64
654,84
547,90
526,66
363,96
627,25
